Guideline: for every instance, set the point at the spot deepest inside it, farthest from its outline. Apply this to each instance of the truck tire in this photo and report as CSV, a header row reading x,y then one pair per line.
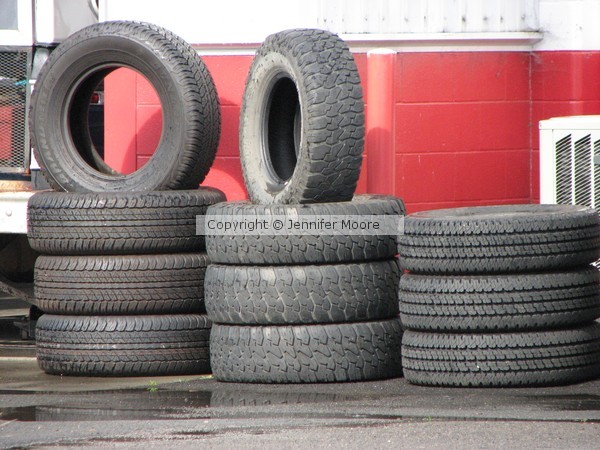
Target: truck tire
x,y
102,223
59,109
302,120
330,293
482,303
357,351
255,249
116,284
494,239
123,345
542,358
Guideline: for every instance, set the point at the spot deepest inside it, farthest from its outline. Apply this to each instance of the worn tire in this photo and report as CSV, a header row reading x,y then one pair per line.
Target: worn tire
x,y
532,301
292,249
357,351
123,345
62,223
493,239
302,120
115,284
502,359
59,120
262,295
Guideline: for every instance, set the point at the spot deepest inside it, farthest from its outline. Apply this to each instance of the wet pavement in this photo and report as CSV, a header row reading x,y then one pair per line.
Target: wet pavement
x,y
43,411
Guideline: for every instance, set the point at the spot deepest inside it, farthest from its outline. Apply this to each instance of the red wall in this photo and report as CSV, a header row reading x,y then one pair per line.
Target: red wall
x,y
465,123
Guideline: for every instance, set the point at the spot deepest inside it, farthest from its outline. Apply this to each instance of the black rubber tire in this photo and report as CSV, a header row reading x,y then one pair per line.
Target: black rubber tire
x,y
123,345
302,120
357,351
306,248
62,223
59,125
494,239
533,301
502,359
263,295
115,284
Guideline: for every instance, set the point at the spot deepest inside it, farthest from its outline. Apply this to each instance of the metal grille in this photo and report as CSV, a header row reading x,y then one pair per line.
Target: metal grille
x,y
13,96
578,171
563,171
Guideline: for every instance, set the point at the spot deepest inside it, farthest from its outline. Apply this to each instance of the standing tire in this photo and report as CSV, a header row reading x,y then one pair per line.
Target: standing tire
x,y
61,223
59,121
258,249
123,345
115,284
494,239
502,359
481,303
287,295
357,351
302,120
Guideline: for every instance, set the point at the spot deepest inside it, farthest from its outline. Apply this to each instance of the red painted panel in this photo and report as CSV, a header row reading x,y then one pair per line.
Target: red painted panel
x,y
460,127
226,174
426,177
230,123
146,94
120,109
229,74
468,76
565,75
149,129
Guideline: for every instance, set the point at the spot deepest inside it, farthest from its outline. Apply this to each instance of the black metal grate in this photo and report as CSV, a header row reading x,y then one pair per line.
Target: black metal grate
x,y
13,95
578,171
563,171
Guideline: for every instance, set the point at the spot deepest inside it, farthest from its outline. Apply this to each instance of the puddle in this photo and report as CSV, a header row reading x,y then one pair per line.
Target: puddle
x,y
152,405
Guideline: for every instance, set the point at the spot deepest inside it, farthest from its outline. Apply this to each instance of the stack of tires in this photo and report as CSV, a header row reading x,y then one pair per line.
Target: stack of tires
x,y
303,307
121,271
501,296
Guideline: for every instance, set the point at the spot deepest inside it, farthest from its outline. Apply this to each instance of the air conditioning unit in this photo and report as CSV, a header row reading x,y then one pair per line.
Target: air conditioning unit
x,y
570,160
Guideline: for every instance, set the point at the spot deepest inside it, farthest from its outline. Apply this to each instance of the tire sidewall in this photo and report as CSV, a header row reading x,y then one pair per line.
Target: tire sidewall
x,y
267,68
51,109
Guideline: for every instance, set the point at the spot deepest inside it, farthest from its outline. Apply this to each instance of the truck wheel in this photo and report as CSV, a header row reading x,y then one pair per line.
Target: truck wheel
x,y
123,345
529,301
356,351
304,294
495,239
116,284
542,358
59,109
101,223
302,120
302,248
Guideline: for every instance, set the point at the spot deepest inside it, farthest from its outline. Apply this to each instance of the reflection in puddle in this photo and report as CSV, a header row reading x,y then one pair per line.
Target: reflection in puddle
x,y
154,405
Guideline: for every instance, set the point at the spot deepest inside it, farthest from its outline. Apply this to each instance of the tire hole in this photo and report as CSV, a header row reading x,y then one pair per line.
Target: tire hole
x,y
104,134
284,129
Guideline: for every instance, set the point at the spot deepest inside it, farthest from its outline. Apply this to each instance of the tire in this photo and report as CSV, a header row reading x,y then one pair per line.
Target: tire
x,y
494,239
118,222
502,359
59,109
302,120
293,249
123,345
115,284
481,303
287,295
306,353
